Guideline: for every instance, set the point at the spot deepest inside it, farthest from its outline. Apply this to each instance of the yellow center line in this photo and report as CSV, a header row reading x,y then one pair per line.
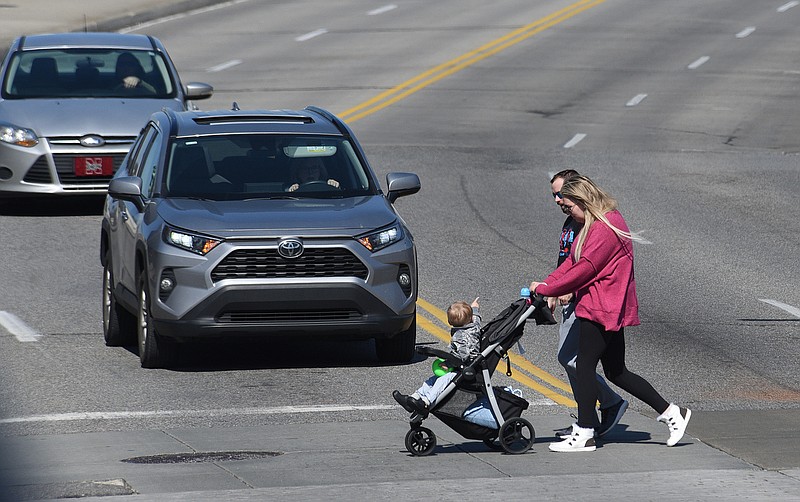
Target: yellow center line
x,y
432,76
448,68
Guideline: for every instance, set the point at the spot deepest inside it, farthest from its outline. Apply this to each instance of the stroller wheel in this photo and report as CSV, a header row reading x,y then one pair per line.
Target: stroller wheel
x,y
420,441
516,435
493,444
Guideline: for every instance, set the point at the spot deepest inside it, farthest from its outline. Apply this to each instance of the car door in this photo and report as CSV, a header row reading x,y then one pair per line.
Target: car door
x,y
130,217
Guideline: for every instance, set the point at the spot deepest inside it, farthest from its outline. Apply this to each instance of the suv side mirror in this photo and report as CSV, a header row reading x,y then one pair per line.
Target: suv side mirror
x,y
128,188
401,184
198,90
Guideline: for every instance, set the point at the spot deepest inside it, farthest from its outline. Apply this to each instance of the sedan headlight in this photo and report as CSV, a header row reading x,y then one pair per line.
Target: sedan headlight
x,y
382,238
19,136
190,242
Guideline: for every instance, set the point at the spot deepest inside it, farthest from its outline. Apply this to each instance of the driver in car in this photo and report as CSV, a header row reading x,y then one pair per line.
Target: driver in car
x,y
309,170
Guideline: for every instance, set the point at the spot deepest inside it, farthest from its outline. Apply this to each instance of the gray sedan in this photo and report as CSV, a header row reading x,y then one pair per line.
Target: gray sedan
x,y
72,104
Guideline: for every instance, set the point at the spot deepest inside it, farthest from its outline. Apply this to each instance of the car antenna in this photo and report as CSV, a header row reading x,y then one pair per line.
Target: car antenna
x,y
235,106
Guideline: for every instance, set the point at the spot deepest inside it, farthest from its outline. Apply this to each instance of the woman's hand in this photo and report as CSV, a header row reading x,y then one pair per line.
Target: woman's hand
x,y
535,285
565,299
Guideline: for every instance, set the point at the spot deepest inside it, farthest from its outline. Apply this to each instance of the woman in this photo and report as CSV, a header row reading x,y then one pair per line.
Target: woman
x,y
600,271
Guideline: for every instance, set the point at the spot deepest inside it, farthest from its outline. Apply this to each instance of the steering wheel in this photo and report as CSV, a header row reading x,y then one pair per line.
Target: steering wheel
x,y
315,186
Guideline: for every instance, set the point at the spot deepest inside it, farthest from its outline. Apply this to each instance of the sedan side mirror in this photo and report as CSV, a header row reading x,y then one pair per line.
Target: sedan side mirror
x,y
401,184
198,90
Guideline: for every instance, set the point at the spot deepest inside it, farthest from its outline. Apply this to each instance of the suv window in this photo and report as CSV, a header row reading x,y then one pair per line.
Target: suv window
x,y
241,166
149,166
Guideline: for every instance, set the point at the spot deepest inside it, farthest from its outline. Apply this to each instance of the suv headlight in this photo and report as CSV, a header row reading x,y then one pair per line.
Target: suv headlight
x,y
199,244
381,238
16,135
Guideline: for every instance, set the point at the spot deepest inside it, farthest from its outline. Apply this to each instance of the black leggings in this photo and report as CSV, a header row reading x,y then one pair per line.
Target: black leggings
x,y
596,344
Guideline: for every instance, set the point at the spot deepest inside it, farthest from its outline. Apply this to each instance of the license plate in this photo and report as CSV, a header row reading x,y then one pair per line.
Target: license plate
x,y
94,166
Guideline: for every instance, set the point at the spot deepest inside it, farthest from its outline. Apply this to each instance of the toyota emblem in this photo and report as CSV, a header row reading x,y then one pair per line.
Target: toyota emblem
x,y
290,248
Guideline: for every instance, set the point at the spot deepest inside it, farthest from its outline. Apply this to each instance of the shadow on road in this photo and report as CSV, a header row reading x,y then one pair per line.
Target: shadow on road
x,y
52,206
290,352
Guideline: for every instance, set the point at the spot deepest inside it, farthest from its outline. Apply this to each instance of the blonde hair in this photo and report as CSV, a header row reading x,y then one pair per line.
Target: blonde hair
x,y
595,203
459,314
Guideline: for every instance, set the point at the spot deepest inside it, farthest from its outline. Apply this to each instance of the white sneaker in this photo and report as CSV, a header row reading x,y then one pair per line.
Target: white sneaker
x,y
581,439
676,419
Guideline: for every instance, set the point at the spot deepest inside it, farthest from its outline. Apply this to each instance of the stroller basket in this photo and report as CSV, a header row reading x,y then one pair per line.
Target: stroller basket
x,y
451,411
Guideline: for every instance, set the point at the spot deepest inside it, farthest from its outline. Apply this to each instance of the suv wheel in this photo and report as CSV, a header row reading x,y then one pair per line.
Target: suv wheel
x,y
119,325
400,347
154,351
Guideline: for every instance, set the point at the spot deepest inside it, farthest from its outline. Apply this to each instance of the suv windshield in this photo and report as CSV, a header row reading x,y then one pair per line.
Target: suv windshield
x,y
102,73
232,167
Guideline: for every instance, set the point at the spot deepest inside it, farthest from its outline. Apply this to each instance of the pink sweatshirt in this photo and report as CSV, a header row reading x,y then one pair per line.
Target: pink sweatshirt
x,y
602,279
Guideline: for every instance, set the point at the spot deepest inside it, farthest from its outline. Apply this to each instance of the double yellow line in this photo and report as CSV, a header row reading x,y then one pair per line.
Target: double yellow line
x,y
545,383
448,68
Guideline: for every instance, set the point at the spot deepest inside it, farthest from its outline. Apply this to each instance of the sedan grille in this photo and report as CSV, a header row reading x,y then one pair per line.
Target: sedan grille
x,y
65,166
268,264
39,172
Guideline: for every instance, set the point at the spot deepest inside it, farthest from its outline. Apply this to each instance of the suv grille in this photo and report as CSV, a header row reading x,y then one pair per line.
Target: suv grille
x,y
268,264
252,316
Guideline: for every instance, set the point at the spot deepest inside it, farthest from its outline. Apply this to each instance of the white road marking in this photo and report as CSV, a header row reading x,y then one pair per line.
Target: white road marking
x,y
788,308
575,140
310,35
746,32
122,415
382,10
787,6
18,328
224,66
118,415
700,62
181,16
636,100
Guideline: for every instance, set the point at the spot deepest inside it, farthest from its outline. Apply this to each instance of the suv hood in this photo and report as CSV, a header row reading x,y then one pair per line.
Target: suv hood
x,y
277,218
76,117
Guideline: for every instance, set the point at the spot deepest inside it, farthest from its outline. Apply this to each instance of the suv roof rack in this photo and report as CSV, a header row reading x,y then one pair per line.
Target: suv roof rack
x,y
211,119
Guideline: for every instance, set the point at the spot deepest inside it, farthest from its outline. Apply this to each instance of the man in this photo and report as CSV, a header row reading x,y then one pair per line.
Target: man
x,y
612,405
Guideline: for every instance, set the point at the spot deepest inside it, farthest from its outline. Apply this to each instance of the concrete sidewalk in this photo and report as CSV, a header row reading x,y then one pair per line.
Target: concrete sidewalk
x,y
361,460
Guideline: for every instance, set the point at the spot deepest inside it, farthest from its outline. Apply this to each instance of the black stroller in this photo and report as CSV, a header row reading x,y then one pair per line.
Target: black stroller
x,y
472,387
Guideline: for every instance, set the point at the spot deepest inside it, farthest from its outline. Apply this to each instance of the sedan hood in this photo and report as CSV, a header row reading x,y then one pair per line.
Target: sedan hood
x,y
277,218
76,117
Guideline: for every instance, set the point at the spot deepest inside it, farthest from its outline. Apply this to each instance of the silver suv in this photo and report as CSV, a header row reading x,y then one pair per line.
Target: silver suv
x,y
71,105
255,223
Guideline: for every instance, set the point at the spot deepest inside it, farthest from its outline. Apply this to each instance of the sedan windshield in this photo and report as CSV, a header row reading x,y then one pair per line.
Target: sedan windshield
x,y
100,73
248,166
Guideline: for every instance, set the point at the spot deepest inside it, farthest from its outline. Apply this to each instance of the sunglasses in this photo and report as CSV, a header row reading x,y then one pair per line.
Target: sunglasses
x,y
557,195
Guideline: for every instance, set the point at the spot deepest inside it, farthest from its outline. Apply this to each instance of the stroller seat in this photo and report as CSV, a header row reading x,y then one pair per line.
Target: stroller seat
x,y
472,386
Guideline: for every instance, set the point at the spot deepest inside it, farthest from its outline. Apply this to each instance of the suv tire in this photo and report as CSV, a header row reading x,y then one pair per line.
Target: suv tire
x,y
154,351
400,347
119,325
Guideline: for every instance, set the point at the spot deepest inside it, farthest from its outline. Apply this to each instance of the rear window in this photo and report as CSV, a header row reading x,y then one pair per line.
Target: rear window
x,y
102,73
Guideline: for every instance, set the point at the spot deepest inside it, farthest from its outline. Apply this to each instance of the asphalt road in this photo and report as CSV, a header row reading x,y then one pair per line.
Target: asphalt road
x,y
686,113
